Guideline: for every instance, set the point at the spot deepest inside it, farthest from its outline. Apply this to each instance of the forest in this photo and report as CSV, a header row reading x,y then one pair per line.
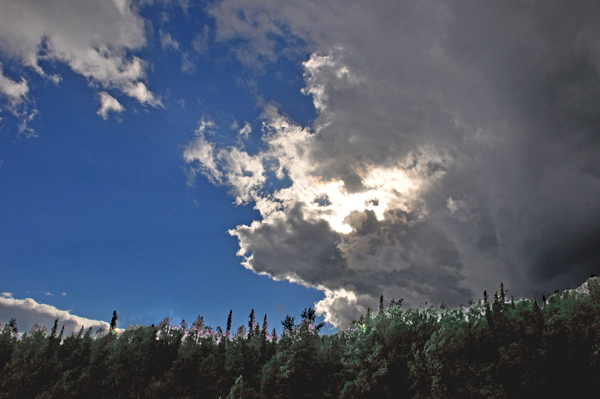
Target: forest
x,y
495,348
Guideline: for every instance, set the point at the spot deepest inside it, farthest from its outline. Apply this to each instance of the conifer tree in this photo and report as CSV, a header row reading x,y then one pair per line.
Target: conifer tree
x,y
497,305
12,323
229,321
381,307
113,322
62,334
265,326
486,305
257,329
288,323
308,315
251,324
54,329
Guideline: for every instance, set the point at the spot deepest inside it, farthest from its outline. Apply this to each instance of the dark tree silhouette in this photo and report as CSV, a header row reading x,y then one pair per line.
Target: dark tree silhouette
x,y
113,322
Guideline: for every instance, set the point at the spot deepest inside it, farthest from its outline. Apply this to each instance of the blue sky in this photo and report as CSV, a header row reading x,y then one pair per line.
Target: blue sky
x,y
345,150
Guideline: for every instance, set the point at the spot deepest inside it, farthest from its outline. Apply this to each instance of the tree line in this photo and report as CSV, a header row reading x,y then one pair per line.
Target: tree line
x,y
495,348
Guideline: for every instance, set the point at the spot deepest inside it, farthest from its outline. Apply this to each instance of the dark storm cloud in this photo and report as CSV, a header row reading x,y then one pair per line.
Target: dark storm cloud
x,y
490,109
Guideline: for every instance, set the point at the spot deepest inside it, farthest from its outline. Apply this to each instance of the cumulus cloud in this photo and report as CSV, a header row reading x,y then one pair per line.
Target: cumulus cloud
x,y
455,147
108,104
28,312
93,38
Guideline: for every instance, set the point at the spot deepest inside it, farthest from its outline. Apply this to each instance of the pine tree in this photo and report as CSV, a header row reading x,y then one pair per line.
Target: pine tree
x,y
54,329
288,323
381,307
113,322
486,305
229,321
274,335
308,315
251,324
265,327
12,323
497,304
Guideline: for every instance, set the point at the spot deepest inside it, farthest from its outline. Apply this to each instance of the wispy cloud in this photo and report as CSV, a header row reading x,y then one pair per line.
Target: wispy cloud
x,y
167,41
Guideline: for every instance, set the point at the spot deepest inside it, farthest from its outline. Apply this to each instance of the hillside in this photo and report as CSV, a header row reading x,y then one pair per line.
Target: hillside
x,y
496,348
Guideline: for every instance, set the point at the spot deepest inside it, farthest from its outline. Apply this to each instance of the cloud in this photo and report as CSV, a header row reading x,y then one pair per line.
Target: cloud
x,y
93,38
167,41
245,131
187,65
140,92
7,294
15,92
455,147
107,104
28,312
201,40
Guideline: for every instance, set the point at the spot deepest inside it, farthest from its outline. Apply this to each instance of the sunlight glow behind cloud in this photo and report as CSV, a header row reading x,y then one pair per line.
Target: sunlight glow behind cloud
x,y
429,170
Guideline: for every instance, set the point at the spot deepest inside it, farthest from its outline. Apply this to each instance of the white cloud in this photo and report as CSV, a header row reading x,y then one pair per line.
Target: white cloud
x,y
140,92
107,104
245,131
455,148
14,91
167,41
202,151
92,37
28,312
7,294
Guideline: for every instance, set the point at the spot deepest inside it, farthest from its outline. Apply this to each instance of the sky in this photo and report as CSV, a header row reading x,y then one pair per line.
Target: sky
x,y
186,158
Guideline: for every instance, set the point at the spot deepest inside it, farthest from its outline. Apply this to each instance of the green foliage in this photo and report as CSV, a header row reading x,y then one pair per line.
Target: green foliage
x,y
497,349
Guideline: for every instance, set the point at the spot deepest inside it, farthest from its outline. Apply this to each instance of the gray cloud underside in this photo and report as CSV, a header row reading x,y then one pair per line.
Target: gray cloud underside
x,y
491,106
